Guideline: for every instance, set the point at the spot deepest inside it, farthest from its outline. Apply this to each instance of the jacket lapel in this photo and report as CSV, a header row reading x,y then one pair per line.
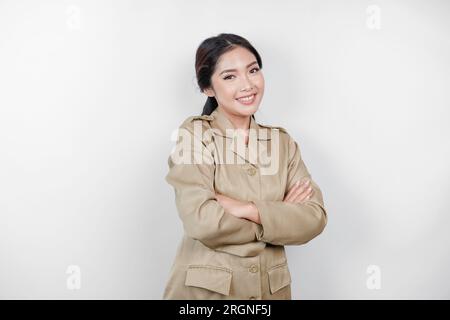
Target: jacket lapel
x,y
235,142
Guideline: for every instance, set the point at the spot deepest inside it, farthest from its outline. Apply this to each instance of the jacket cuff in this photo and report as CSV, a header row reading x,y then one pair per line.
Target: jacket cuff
x,y
284,223
265,231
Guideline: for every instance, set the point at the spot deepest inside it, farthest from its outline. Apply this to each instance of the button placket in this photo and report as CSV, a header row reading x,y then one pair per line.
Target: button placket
x,y
253,268
251,171
253,291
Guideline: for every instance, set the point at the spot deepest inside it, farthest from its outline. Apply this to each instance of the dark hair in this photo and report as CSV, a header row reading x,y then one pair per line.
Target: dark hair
x,y
206,58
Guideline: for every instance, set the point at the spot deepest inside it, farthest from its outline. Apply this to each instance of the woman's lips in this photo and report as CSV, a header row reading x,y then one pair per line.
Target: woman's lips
x,y
247,100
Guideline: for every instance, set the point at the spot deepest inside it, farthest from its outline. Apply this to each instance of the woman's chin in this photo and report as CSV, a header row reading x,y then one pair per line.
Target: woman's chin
x,y
247,110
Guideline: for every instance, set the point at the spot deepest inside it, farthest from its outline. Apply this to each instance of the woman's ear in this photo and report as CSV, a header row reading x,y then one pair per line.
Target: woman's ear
x,y
209,92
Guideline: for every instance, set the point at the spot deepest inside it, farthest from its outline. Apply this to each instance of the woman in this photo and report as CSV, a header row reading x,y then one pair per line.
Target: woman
x,y
238,204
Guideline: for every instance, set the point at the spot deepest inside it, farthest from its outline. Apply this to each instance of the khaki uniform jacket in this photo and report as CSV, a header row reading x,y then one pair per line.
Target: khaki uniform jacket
x,y
222,256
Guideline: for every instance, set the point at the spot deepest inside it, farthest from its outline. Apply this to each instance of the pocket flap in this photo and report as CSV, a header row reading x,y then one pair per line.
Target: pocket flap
x,y
217,279
279,277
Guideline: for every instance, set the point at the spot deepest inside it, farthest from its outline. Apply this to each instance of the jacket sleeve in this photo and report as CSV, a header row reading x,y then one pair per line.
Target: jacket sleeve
x,y
284,223
203,217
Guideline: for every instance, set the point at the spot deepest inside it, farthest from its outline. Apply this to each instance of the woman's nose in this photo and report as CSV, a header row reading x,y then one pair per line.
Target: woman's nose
x,y
246,84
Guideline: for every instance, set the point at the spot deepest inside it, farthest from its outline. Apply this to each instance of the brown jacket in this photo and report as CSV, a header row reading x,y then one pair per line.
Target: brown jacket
x,y
220,255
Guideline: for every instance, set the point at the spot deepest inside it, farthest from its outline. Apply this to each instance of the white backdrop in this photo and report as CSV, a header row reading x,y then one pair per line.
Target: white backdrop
x,y
90,92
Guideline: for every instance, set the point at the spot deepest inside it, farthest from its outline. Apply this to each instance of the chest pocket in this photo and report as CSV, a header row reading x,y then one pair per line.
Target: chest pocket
x,y
213,278
279,277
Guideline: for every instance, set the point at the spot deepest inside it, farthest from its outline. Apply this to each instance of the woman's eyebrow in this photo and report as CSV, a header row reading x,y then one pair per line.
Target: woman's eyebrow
x,y
230,70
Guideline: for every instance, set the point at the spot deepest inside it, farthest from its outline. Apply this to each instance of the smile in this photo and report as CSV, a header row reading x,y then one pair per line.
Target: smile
x,y
247,100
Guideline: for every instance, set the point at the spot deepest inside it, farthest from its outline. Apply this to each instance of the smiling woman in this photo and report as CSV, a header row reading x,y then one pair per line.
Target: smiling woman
x,y
229,72
237,216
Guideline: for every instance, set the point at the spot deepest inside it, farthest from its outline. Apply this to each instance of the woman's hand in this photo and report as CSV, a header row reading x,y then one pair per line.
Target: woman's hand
x,y
238,208
300,192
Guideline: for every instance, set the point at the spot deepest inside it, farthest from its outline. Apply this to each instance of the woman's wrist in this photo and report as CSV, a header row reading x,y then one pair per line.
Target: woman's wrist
x,y
238,208
253,213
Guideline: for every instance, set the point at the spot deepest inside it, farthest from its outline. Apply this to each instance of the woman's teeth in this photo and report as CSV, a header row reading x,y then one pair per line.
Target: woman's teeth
x,y
247,99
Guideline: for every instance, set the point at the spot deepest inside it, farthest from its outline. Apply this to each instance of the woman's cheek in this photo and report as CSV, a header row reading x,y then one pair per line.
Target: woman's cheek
x,y
260,82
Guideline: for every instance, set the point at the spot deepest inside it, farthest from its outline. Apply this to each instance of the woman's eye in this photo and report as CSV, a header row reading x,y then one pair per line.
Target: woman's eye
x,y
254,70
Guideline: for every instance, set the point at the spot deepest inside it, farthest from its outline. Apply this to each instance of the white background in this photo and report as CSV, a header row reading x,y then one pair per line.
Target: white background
x,y
90,92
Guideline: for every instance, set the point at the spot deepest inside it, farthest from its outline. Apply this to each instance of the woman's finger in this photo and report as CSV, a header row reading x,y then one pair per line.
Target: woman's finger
x,y
292,191
298,190
304,195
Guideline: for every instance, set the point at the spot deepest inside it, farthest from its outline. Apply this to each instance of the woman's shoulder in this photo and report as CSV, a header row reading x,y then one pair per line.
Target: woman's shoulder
x,y
284,138
275,129
272,127
190,122
202,122
196,126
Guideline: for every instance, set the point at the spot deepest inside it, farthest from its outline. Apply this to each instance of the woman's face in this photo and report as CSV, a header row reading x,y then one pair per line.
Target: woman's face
x,y
237,75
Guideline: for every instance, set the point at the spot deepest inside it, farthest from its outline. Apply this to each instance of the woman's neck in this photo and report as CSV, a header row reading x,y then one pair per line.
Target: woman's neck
x,y
238,122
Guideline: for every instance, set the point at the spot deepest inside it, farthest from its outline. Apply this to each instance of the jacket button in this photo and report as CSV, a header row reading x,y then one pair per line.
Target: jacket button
x,y
252,298
253,269
251,171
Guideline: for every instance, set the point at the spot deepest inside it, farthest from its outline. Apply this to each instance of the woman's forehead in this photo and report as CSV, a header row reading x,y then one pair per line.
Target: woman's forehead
x,y
238,58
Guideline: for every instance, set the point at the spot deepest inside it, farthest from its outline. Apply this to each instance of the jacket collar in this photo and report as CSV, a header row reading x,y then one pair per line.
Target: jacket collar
x,y
226,128
255,151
